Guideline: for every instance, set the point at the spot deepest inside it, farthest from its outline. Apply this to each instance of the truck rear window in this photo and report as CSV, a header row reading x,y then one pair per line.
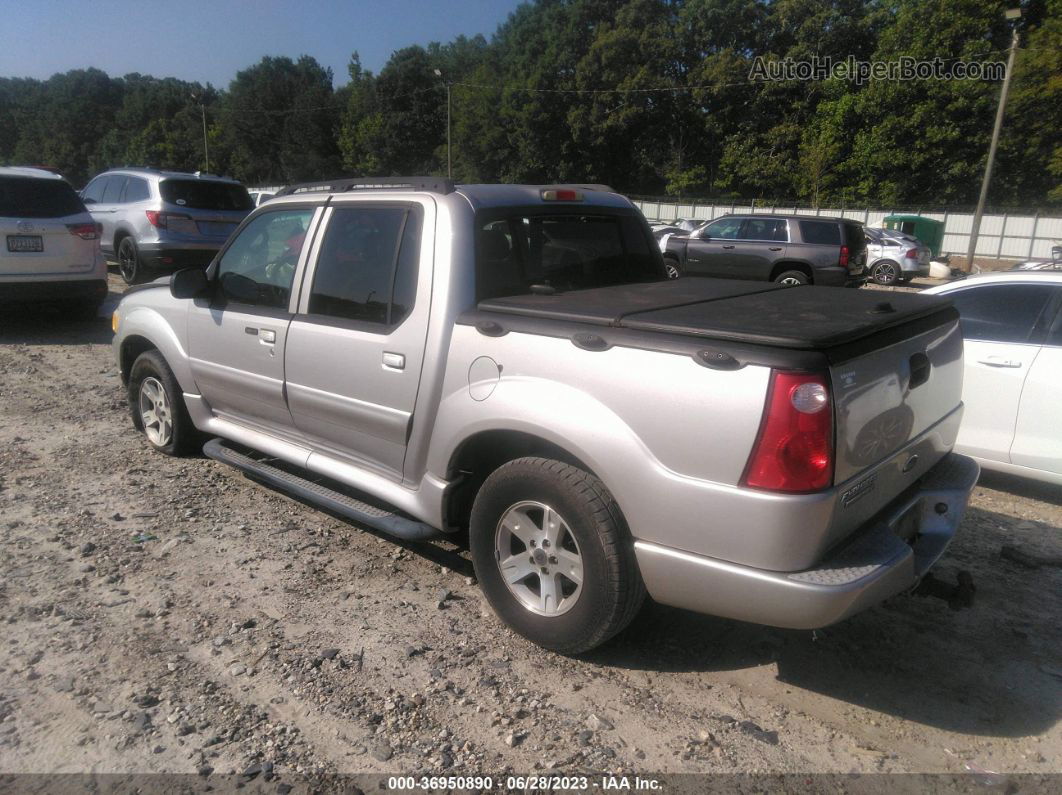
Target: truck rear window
x,y
204,195
565,251
26,197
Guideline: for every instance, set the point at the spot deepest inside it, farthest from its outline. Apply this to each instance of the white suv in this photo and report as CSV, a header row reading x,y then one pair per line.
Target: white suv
x,y
51,248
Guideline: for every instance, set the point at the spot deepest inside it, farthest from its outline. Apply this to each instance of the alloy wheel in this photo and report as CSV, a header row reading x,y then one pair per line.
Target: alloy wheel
x,y
155,412
539,558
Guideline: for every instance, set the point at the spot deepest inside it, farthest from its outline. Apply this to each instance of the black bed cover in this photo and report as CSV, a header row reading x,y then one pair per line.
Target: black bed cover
x,y
802,317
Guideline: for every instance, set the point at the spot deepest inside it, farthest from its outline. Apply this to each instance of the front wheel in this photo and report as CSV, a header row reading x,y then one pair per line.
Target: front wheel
x,y
553,555
157,405
671,268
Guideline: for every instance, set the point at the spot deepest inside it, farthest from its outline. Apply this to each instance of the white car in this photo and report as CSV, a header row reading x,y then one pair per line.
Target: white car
x,y
1012,332
50,253
260,197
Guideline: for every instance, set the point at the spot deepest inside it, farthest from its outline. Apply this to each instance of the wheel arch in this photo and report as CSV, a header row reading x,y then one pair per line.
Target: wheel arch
x,y
132,346
144,328
792,265
484,451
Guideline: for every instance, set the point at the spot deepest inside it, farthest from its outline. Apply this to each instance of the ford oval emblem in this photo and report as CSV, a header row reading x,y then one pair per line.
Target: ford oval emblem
x,y
910,464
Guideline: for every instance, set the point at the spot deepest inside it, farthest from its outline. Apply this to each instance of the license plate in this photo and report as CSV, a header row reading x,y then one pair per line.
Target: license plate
x,y
22,243
215,227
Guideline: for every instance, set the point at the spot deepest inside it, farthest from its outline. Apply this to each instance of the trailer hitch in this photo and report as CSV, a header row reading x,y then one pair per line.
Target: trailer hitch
x,y
958,596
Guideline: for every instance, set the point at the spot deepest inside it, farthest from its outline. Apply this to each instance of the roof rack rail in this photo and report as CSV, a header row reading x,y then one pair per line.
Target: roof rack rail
x,y
430,184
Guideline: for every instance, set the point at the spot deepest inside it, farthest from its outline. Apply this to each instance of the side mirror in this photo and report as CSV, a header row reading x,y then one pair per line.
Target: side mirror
x,y
239,288
188,283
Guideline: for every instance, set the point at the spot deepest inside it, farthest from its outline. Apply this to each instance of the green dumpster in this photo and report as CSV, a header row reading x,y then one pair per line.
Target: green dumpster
x,y
928,230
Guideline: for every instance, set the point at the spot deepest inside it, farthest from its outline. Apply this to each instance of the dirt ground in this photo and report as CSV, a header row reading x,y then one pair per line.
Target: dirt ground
x,y
165,615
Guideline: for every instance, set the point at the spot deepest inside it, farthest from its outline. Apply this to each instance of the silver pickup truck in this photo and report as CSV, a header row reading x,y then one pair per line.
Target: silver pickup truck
x,y
512,361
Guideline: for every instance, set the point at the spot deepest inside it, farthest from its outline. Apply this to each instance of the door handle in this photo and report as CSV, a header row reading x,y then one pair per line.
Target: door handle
x,y
774,248
267,336
997,361
394,361
727,246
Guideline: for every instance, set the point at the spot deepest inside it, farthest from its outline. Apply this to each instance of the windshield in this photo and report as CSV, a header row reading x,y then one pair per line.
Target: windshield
x,y
28,197
563,251
205,195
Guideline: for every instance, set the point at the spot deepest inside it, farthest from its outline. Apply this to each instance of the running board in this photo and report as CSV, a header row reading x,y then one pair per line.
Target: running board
x,y
329,499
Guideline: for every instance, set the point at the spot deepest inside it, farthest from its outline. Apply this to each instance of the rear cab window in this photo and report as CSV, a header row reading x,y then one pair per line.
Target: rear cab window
x,y
26,197
197,194
563,250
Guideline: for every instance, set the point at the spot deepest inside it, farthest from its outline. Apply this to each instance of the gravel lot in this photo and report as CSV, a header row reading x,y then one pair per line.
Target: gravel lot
x,y
162,615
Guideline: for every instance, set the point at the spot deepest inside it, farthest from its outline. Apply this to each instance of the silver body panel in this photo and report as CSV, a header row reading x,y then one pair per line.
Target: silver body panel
x,y
668,437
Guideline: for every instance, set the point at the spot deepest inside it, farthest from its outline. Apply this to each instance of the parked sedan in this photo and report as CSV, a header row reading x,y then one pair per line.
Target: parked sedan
x,y
894,257
1012,328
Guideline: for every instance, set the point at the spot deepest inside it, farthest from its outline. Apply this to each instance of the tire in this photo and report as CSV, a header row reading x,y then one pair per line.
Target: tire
x,y
792,278
671,267
594,543
886,272
130,266
153,386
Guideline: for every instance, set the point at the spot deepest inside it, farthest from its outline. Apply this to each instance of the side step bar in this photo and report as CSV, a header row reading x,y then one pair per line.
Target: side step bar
x,y
378,518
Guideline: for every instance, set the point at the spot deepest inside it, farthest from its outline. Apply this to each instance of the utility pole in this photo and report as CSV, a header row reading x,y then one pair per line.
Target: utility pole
x,y
1013,14
206,149
449,160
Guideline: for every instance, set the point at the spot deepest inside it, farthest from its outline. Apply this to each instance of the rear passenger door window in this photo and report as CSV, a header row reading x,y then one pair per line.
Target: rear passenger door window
x,y
112,194
769,229
367,266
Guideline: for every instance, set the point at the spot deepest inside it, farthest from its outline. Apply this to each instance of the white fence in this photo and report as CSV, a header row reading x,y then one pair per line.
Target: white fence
x,y
1002,236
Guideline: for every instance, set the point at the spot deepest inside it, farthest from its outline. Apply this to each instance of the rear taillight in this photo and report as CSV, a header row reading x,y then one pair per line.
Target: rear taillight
x,y
794,448
163,220
84,231
912,253
843,261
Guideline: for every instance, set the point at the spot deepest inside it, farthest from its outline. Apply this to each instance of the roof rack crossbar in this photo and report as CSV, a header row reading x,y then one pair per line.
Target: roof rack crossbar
x,y
429,184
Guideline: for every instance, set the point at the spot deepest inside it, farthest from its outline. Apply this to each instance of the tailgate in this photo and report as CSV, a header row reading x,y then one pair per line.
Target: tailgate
x,y
893,393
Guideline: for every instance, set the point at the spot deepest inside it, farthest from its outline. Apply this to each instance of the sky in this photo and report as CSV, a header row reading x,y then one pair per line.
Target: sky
x,y
211,41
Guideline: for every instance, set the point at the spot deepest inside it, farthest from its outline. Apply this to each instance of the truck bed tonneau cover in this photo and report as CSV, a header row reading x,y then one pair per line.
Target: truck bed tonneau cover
x,y
807,318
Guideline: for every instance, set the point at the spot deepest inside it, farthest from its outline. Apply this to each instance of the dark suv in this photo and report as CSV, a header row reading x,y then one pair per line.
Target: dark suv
x,y
163,220
790,249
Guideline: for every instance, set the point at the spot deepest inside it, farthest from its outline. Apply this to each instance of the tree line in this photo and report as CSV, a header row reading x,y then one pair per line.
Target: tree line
x,y
653,97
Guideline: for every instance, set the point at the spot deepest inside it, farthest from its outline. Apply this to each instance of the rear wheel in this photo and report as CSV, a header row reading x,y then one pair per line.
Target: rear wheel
x,y
130,267
793,277
553,555
157,405
886,272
